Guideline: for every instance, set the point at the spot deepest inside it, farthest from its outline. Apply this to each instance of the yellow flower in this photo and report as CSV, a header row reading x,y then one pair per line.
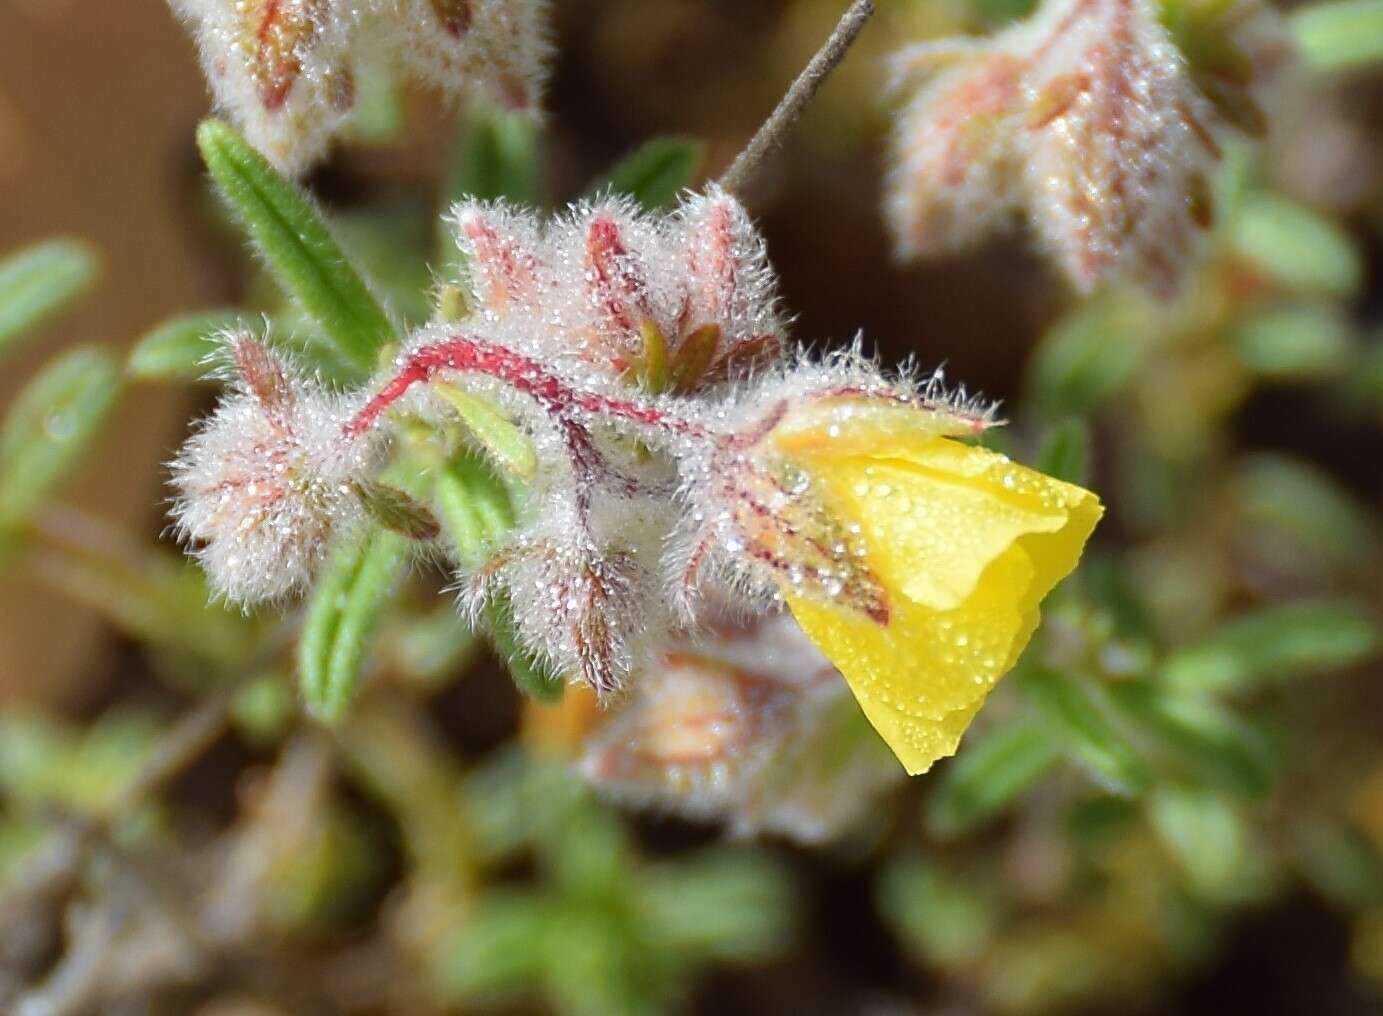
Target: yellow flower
x,y
964,544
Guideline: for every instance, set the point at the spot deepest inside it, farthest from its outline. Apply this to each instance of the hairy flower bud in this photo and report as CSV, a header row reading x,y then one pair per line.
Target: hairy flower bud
x,y
285,70
1086,115
675,303
268,480
749,725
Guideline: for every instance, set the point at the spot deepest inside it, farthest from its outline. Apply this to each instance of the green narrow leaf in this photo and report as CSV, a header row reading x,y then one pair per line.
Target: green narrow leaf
x,y
536,678
1204,834
1289,640
1341,864
1075,712
1295,343
1296,246
296,244
986,776
1091,353
39,281
499,952
476,517
509,446
432,647
52,423
722,904
1287,505
495,156
945,920
655,172
178,349
1206,743
1334,36
342,614
1065,451
157,596
474,509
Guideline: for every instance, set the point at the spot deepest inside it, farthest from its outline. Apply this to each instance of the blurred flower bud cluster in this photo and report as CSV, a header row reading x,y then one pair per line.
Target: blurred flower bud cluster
x,y
286,70
1091,119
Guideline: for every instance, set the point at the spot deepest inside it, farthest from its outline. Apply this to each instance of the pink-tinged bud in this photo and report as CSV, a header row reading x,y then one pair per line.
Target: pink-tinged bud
x,y
501,246
673,303
495,48
750,726
732,294
589,613
284,70
1087,116
268,480
957,174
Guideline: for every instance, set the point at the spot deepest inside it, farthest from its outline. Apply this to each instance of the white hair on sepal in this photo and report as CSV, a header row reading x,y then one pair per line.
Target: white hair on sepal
x,y
590,608
726,259
264,485
291,91
506,263
285,72
497,49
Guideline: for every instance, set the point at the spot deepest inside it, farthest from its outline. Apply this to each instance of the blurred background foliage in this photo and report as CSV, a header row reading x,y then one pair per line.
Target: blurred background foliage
x,y
1175,804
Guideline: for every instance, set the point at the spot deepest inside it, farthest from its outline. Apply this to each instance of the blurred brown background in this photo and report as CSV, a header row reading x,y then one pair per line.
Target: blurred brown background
x,y
97,100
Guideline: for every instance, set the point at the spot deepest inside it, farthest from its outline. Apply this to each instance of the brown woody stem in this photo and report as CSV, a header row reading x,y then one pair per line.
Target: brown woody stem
x,y
803,90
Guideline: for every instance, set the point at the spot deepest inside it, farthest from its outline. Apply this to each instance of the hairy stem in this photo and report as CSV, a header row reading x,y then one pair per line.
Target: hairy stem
x,y
522,373
803,90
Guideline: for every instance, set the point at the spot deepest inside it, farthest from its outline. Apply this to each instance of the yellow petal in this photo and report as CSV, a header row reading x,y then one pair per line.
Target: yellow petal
x,y
934,513
966,545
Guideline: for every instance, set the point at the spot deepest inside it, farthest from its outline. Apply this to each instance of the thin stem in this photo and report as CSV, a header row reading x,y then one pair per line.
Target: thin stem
x,y
521,373
803,90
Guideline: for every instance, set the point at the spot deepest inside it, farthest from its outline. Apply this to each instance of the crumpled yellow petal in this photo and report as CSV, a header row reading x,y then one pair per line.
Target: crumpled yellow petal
x,y
966,544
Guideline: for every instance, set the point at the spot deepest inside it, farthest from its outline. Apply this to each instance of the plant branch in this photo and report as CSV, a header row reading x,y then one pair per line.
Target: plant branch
x,y
803,90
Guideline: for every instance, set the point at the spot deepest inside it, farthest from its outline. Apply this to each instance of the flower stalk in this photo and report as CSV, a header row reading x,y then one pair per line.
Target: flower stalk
x,y
799,95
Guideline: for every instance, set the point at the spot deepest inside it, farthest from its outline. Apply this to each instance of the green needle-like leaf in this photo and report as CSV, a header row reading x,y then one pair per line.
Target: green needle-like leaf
x,y
505,443
1333,36
1199,737
297,246
726,905
534,677
52,423
944,919
38,282
498,953
987,775
154,595
1065,451
496,157
1296,246
178,349
655,172
1090,354
342,614
1294,639
1296,343
1076,714
476,517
